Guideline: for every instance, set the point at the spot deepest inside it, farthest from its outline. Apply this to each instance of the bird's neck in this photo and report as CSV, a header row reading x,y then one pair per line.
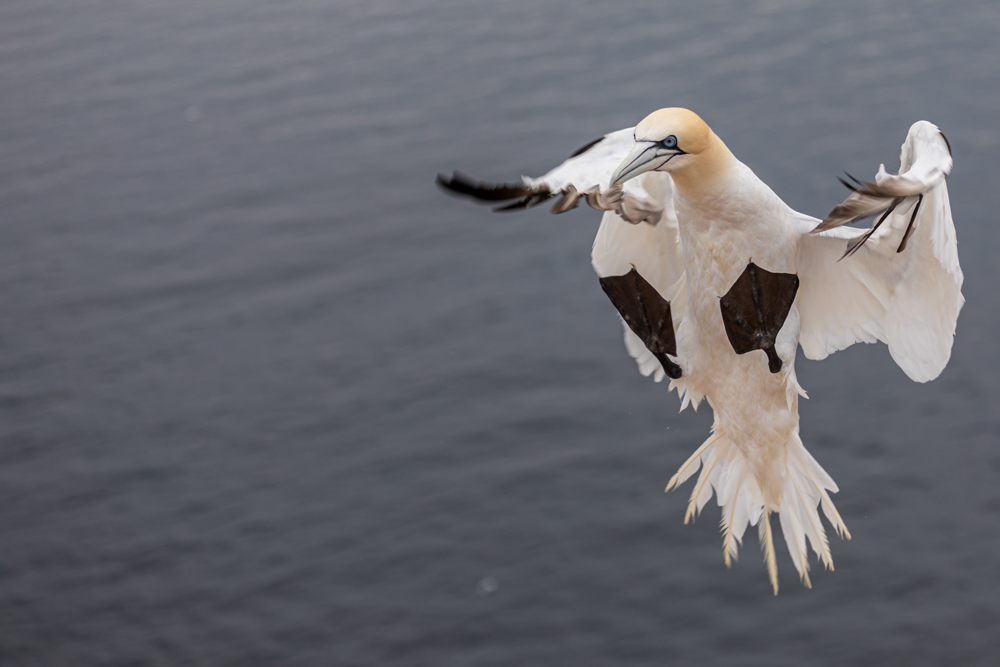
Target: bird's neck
x,y
710,174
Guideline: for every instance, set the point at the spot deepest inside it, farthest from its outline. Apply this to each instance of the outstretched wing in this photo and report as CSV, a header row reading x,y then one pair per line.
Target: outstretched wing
x,y
899,282
622,243
584,175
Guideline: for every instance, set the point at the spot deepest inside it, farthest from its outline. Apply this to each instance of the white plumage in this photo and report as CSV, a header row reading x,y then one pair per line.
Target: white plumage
x,y
688,216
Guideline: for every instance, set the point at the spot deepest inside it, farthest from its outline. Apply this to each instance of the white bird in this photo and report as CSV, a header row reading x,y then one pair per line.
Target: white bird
x,y
725,256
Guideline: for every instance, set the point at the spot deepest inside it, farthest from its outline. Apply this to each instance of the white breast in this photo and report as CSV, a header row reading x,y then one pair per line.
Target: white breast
x,y
719,236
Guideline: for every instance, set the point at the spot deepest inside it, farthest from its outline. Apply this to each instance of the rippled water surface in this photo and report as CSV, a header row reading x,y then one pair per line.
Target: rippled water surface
x,y
268,397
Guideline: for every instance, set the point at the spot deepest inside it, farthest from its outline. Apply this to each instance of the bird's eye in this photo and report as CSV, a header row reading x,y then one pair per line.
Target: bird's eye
x,y
670,142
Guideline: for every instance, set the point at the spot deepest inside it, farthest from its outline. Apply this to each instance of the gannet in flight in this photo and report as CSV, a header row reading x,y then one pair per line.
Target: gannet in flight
x,y
718,281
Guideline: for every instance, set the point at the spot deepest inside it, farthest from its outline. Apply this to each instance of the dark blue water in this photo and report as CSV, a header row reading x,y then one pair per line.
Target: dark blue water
x,y
267,397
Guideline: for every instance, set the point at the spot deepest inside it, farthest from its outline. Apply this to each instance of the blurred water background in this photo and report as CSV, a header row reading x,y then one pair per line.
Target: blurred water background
x,y
267,397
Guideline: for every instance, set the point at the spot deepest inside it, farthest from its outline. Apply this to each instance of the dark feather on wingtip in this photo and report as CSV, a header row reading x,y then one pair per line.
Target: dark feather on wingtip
x,y
461,184
868,198
525,203
583,149
909,227
852,188
946,143
854,244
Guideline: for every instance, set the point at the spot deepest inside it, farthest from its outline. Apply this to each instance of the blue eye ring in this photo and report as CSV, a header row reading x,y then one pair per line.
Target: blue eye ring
x,y
670,142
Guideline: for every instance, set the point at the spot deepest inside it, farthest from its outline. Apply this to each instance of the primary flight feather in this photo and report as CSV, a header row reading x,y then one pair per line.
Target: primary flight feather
x,y
693,239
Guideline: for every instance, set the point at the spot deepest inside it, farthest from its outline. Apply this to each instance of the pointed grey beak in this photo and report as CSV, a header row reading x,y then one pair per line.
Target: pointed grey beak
x,y
646,156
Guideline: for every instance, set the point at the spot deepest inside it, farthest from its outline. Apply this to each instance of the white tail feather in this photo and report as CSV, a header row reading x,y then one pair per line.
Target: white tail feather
x,y
689,468
822,481
767,546
730,552
795,537
702,490
724,470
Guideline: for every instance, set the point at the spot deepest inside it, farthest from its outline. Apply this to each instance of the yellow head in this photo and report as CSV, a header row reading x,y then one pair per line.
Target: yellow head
x,y
690,130
671,140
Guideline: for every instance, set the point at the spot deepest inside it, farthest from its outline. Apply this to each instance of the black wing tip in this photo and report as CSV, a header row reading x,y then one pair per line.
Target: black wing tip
x,y
465,186
909,227
527,202
458,183
444,182
586,147
861,187
846,184
946,143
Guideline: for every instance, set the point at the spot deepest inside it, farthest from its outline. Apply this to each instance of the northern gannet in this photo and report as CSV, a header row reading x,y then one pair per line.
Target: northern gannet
x,y
707,265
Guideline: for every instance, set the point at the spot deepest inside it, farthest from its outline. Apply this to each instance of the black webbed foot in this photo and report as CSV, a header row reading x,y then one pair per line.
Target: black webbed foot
x,y
754,309
647,315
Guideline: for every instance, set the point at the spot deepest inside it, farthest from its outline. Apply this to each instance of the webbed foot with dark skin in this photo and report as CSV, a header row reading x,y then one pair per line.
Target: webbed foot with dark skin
x,y
755,308
647,315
